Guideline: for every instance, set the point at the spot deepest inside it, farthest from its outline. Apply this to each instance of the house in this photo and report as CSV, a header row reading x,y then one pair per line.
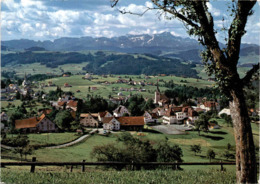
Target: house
x,y
93,88
36,124
50,83
135,123
65,75
66,85
102,115
111,123
209,105
72,104
224,111
88,120
44,111
150,117
170,117
88,76
180,115
4,116
159,111
120,111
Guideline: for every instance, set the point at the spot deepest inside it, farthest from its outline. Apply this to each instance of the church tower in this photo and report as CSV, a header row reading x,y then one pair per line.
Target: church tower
x,y
157,94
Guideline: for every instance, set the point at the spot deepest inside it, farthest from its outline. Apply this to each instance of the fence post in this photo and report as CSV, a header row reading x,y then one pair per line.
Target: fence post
x,y
33,166
83,166
71,168
221,166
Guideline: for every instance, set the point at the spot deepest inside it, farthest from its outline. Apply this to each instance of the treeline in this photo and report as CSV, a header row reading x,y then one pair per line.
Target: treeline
x,y
101,63
128,64
49,59
182,93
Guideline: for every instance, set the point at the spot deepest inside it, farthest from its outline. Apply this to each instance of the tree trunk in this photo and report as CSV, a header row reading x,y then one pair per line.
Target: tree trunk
x,y
246,170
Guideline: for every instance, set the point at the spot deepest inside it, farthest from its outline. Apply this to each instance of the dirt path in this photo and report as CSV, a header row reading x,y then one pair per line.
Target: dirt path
x,y
62,145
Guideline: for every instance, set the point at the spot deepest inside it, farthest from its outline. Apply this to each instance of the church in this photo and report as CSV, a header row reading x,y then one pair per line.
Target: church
x,y
160,99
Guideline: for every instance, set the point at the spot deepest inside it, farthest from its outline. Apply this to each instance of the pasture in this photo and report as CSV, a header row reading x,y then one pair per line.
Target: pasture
x,y
105,90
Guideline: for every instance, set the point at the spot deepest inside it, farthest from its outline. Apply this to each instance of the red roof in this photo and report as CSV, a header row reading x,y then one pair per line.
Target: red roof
x,y
61,103
107,119
131,121
72,103
28,123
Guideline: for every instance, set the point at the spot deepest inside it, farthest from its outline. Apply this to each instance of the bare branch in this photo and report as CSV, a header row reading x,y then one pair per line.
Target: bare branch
x,y
113,3
250,74
177,14
133,13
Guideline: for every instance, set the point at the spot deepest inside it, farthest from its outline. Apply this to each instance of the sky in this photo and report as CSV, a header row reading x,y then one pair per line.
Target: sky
x,y
52,19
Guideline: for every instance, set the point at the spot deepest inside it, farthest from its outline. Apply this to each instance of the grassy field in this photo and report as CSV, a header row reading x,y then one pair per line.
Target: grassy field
x,y
50,138
105,90
126,177
215,139
202,71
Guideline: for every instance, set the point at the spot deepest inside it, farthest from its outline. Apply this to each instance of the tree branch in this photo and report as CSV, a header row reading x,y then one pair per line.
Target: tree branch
x,y
177,14
250,74
237,29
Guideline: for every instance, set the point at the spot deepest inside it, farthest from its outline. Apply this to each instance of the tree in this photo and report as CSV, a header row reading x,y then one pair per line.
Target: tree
x,y
196,148
202,123
168,153
63,120
199,22
211,154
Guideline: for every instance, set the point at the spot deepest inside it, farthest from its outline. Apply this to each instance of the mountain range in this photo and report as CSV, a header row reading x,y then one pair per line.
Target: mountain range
x,y
164,44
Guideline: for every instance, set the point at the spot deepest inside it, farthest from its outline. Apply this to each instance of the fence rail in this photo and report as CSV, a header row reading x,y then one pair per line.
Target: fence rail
x,y
33,164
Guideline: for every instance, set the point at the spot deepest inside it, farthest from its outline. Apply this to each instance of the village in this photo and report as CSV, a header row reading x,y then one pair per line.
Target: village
x,y
120,118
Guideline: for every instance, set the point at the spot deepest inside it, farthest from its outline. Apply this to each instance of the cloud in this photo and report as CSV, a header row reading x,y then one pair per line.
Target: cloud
x,y
213,10
51,19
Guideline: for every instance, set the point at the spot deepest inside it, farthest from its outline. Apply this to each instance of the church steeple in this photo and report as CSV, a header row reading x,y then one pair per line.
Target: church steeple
x,y
157,88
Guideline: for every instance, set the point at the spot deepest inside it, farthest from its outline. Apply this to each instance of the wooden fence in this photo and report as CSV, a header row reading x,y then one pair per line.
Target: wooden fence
x,y
33,164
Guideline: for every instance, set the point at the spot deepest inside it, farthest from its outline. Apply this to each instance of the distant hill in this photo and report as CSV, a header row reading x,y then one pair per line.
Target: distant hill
x,y
102,63
164,44
35,49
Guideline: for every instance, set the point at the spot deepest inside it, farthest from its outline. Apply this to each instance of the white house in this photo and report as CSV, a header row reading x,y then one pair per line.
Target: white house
x,y
210,105
88,120
178,115
111,123
120,111
224,111
102,115
150,117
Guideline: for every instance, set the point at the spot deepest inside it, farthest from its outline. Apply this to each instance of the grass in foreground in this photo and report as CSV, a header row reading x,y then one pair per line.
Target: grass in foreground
x,y
131,177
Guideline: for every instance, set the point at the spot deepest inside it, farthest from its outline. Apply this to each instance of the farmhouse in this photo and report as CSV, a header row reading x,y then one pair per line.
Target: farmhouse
x,y
35,124
120,111
102,115
66,85
88,120
111,123
135,123
150,117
